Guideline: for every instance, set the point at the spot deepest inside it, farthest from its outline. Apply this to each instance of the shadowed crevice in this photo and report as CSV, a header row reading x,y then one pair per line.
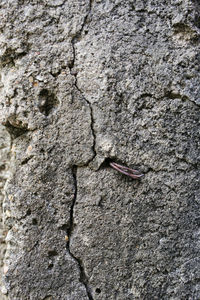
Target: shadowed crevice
x,y
83,277
77,36
47,102
15,131
9,56
74,73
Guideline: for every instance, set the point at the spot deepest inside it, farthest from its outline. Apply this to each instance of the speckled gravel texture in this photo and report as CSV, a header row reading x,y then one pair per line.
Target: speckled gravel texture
x,y
84,83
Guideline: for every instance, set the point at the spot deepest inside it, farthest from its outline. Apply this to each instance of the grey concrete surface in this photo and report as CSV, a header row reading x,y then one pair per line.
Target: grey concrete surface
x,y
4,175
84,83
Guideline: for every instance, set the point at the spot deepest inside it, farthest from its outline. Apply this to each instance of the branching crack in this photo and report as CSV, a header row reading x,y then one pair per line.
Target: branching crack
x,y
83,277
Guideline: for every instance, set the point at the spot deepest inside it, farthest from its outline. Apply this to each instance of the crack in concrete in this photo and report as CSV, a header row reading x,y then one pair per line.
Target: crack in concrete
x,y
91,126
73,41
83,277
78,35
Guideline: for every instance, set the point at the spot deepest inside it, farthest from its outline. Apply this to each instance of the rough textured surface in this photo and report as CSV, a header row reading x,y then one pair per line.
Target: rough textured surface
x,y
4,175
83,82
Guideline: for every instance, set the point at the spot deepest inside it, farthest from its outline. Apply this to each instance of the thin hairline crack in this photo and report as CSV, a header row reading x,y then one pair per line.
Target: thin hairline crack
x,y
71,66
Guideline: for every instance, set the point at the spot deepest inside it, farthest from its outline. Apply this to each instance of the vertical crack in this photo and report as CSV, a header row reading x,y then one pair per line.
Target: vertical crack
x,y
78,35
71,66
92,130
83,277
91,125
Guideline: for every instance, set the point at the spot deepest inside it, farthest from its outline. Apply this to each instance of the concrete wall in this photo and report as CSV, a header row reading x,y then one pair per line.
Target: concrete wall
x,y
84,83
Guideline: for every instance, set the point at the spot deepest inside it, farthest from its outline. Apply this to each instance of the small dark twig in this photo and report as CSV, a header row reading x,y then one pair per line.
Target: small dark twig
x,y
125,170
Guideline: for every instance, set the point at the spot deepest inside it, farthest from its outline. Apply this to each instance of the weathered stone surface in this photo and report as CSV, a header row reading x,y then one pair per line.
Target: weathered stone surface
x,y
4,175
82,83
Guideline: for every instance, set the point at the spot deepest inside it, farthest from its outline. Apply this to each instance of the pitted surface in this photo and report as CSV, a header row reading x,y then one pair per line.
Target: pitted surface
x,y
83,82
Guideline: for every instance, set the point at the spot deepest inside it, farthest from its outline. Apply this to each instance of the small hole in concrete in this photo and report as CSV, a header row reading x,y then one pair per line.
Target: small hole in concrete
x,y
34,221
64,227
47,102
28,212
2,167
52,253
14,130
98,290
50,266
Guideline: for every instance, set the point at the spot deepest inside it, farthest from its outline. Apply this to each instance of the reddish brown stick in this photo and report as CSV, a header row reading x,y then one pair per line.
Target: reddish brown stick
x,y
125,170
